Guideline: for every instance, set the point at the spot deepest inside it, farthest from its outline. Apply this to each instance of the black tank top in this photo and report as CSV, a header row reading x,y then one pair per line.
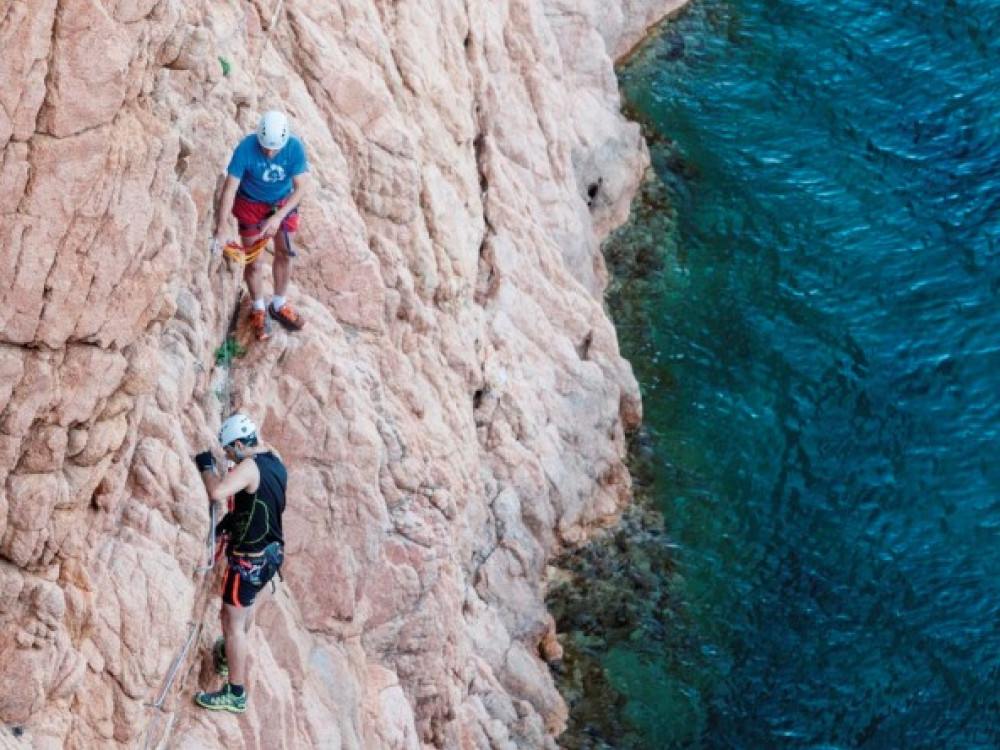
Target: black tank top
x,y
257,516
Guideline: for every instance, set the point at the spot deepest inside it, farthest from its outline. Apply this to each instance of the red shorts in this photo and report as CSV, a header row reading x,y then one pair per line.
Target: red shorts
x,y
252,215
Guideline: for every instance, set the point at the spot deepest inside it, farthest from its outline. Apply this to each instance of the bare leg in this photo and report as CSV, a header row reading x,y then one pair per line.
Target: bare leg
x,y
282,267
235,627
249,621
254,273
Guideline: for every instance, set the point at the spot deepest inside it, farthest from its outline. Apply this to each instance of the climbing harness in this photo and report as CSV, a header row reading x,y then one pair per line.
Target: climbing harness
x,y
288,243
258,569
250,229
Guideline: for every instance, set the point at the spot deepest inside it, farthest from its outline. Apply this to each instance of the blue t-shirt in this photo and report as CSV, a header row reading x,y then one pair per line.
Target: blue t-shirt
x,y
267,180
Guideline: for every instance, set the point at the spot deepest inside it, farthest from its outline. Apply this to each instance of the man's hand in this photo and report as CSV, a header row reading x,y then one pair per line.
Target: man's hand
x,y
222,236
205,461
225,526
272,226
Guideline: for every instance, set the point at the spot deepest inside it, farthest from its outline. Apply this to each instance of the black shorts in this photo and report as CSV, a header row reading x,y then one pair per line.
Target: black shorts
x,y
246,575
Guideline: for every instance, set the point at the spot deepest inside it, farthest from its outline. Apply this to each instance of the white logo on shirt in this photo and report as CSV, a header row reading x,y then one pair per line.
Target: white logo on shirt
x,y
273,173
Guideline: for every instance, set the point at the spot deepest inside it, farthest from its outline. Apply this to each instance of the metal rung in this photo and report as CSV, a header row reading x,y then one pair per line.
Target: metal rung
x,y
211,543
195,628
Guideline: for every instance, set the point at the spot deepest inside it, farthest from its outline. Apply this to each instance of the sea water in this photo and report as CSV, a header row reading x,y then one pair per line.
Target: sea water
x,y
809,293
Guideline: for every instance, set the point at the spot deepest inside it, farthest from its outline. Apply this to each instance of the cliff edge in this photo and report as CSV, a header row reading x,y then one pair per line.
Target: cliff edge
x,y
452,415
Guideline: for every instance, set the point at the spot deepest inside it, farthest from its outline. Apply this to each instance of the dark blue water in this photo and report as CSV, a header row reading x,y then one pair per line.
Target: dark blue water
x,y
818,343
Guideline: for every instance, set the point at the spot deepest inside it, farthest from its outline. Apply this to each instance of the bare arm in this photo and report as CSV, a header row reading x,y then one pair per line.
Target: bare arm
x,y
226,200
246,476
301,183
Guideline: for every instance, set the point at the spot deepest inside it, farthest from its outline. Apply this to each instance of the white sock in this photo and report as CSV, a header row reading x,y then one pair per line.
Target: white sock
x,y
277,302
258,304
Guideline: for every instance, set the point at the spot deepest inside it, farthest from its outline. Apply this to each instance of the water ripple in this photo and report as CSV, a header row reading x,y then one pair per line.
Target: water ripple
x,y
826,310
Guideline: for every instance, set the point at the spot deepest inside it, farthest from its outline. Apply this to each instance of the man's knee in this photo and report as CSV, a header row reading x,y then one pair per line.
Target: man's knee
x,y
254,273
235,619
283,245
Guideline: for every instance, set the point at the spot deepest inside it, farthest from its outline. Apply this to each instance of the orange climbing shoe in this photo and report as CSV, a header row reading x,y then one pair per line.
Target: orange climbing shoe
x,y
261,325
287,317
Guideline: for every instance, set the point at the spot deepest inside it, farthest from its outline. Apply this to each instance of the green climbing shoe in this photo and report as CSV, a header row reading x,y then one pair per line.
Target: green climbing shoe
x,y
222,700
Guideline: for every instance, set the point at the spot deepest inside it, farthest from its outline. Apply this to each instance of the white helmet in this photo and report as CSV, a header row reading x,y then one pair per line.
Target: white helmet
x,y
272,130
237,427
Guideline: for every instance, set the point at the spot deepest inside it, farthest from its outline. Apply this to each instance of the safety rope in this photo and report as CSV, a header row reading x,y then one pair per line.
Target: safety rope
x,y
241,256
240,32
267,36
244,256
224,360
230,348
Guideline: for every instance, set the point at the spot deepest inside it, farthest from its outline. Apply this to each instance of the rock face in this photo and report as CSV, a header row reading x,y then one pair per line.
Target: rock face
x,y
452,416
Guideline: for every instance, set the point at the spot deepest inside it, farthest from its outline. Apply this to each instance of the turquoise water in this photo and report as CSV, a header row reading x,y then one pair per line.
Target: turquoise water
x,y
817,334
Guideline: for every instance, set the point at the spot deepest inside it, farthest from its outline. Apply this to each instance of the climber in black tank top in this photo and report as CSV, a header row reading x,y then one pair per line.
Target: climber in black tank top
x,y
255,520
255,548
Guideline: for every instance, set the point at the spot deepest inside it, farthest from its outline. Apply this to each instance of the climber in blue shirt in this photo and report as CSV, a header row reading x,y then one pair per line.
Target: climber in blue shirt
x,y
265,181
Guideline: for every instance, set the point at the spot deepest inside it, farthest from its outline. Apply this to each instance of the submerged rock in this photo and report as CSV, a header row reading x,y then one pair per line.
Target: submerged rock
x,y
616,590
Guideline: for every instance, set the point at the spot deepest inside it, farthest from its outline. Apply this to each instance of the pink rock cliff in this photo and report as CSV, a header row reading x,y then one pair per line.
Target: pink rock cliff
x,y
452,415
